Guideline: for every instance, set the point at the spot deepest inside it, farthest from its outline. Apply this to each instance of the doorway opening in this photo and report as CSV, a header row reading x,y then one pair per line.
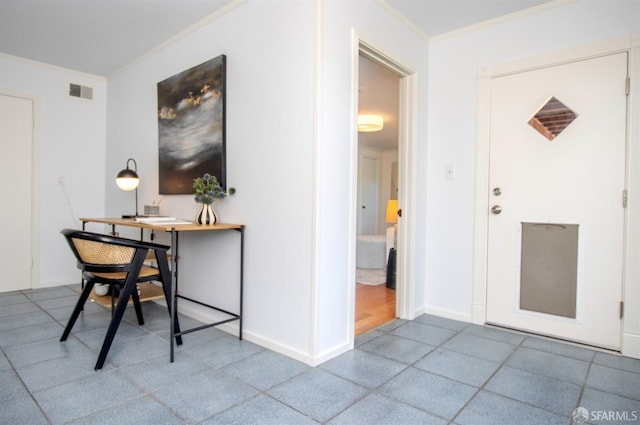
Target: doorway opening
x,y
377,194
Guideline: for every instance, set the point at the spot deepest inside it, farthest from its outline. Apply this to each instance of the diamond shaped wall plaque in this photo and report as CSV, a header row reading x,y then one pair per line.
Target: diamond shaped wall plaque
x,y
552,118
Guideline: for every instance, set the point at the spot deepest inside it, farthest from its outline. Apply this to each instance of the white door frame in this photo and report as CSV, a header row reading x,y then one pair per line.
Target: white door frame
x,y
631,271
407,146
35,184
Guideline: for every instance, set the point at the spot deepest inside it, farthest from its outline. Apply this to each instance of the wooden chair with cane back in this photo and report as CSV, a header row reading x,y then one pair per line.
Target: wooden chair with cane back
x,y
118,262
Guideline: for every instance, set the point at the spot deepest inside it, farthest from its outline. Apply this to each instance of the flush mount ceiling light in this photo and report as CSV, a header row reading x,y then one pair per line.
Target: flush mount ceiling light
x,y
368,123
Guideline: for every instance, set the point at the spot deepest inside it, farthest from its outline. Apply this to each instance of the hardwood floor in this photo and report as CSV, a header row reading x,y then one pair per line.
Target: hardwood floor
x,y
375,305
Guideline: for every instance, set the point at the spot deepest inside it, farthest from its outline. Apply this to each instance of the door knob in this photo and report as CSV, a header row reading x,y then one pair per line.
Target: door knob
x,y
496,209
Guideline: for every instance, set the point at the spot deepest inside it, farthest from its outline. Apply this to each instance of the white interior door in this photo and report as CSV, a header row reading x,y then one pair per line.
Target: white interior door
x,y
556,223
368,189
16,124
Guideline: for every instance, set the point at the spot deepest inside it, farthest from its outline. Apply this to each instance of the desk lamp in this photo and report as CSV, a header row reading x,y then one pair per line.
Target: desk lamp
x,y
128,180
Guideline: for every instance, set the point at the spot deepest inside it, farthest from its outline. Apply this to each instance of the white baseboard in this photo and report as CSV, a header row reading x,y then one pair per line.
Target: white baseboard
x,y
419,312
55,283
448,314
631,345
203,315
630,341
330,354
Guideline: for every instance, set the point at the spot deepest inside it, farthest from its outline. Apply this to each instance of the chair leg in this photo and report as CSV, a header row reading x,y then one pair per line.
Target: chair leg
x,y
137,306
113,299
123,300
84,295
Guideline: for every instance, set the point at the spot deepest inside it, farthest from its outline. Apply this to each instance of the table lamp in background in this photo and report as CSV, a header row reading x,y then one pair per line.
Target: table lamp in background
x,y
128,180
392,217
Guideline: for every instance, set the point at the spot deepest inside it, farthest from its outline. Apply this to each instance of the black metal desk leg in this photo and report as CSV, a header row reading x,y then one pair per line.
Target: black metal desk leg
x,y
241,279
174,288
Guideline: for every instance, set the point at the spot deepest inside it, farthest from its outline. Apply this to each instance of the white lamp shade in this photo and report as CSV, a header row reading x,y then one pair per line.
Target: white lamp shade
x,y
368,123
127,179
127,183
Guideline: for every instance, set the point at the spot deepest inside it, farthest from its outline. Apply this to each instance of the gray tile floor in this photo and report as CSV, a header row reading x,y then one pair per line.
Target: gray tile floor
x,y
426,371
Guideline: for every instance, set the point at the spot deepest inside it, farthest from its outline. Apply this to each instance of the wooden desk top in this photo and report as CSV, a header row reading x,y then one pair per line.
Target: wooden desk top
x,y
179,226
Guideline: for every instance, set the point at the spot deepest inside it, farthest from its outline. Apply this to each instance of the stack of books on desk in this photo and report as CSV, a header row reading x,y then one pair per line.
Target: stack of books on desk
x,y
161,220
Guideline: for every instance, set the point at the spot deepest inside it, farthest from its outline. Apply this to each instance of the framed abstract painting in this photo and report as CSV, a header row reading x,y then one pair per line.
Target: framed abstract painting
x,y
191,126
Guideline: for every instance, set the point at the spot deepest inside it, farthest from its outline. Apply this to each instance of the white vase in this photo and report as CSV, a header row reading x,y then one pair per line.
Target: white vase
x,y
206,214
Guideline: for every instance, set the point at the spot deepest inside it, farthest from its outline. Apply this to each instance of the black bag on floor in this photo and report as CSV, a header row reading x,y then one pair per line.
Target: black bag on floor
x,y
391,269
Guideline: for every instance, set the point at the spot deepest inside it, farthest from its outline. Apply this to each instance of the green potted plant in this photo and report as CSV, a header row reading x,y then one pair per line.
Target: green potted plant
x,y
207,190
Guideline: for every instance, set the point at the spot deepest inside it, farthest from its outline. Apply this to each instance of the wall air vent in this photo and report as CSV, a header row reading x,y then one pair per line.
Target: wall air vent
x,y
76,90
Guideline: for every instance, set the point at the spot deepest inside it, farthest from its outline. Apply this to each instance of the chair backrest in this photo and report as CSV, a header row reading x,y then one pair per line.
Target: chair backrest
x,y
94,252
103,253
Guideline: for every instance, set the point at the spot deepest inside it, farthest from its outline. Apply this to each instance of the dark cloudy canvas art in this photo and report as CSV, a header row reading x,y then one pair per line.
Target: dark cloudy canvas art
x,y
191,126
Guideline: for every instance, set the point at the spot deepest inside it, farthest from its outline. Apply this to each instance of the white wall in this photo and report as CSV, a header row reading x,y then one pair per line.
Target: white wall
x,y
70,147
454,65
270,99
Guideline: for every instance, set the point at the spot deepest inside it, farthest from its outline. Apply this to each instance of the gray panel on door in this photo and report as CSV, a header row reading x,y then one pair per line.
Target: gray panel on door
x,y
549,268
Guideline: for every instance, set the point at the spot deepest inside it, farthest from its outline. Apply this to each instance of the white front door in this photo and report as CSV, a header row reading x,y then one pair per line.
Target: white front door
x,y
16,132
556,219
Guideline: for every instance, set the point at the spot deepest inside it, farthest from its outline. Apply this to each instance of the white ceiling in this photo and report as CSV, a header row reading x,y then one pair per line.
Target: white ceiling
x,y
102,36
95,36
436,17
